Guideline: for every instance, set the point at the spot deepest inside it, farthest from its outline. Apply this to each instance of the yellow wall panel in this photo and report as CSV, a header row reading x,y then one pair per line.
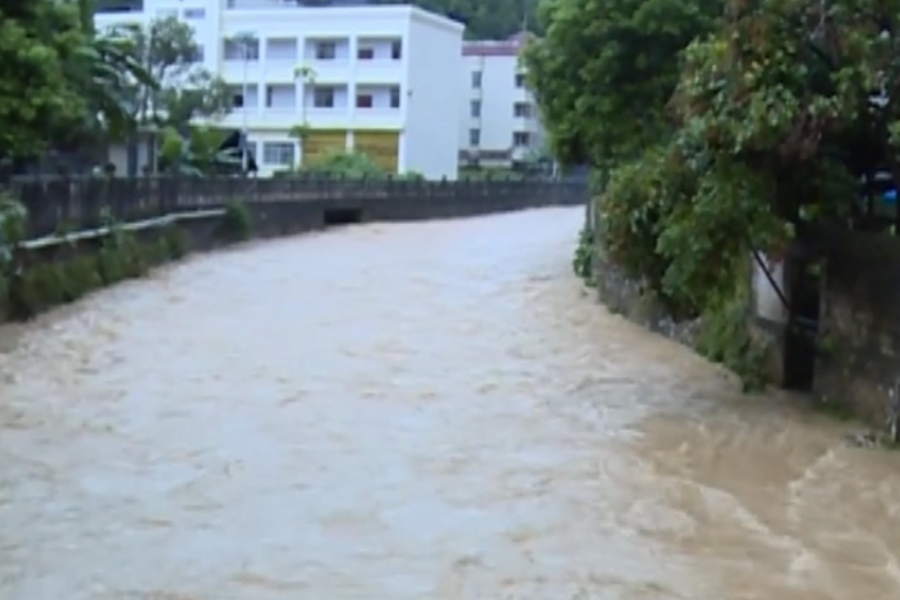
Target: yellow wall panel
x,y
319,144
382,146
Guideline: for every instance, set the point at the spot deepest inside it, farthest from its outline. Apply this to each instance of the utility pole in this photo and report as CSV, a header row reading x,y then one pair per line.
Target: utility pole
x,y
245,38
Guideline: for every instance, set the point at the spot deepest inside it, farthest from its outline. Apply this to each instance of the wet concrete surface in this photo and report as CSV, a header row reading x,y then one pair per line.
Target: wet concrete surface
x,y
411,411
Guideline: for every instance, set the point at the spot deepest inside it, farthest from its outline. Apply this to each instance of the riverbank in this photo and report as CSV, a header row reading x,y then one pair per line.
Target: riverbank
x,y
63,263
50,271
849,383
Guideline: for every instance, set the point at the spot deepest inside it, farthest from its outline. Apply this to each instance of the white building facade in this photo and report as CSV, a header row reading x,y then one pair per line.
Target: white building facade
x,y
499,121
377,79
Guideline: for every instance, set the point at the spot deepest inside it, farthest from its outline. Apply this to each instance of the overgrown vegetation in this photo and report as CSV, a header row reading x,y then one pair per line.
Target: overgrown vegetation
x,y
348,165
200,153
237,223
496,19
583,261
69,88
32,281
724,132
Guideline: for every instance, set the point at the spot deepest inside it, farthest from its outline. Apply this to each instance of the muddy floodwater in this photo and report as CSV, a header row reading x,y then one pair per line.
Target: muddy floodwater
x,y
414,411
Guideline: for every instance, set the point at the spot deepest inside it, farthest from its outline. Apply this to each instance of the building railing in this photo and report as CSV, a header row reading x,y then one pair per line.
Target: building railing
x,y
59,205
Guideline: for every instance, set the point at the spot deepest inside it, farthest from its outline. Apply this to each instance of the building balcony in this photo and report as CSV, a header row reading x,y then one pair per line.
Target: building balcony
x,y
529,124
235,73
329,71
279,71
377,118
280,119
379,71
283,119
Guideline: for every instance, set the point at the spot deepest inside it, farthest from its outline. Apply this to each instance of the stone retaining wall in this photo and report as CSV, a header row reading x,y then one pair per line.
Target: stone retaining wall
x,y
623,295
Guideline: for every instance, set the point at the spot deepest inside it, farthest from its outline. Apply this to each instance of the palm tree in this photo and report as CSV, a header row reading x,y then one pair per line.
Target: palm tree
x,y
106,72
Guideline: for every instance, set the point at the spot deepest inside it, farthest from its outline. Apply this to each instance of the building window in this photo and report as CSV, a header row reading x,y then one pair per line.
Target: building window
x,y
326,51
476,80
167,13
244,96
323,97
475,108
474,137
365,53
364,101
397,50
395,97
198,54
521,138
522,109
278,153
241,49
520,80
195,13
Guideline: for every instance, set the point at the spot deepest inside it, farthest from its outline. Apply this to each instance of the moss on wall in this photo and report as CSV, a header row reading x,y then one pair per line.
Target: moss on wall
x,y
31,284
28,289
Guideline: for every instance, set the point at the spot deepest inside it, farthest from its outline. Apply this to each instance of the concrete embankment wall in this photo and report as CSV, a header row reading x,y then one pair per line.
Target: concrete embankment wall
x,y
72,229
278,205
828,314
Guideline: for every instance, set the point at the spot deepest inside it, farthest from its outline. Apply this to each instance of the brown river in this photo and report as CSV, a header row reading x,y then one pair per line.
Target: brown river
x,y
412,412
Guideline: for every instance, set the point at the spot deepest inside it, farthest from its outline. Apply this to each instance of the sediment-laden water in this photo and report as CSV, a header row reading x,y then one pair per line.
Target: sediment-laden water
x,y
412,411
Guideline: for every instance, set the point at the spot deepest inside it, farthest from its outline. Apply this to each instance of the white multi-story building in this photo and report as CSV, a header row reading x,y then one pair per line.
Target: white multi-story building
x,y
499,122
377,78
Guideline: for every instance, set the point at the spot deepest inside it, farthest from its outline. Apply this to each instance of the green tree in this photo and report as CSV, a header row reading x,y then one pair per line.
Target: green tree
x,y
184,92
179,89
804,94
197,154
778,116
105,72
38,104
200,95
497,19
165,48
604,70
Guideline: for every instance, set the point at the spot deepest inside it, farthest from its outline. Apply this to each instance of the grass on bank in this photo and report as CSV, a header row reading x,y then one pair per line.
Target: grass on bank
x,y
30,285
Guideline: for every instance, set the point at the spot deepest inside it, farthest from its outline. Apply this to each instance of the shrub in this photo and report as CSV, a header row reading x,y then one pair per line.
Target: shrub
x,y
582,262
175,241
237,222
349,165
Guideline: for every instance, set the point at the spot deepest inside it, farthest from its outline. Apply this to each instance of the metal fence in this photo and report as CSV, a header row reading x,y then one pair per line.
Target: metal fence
x,y
56,204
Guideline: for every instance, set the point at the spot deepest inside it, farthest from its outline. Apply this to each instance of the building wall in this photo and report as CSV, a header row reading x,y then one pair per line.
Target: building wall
x,y
369,83
496,94
431,141
294,34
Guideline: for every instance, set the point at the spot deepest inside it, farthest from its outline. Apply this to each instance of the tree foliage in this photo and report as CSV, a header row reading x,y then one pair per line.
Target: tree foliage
x,y
746,132
201,95
108,69
199,153
65,85
38,41
494,19
181,89
604,71
736,133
